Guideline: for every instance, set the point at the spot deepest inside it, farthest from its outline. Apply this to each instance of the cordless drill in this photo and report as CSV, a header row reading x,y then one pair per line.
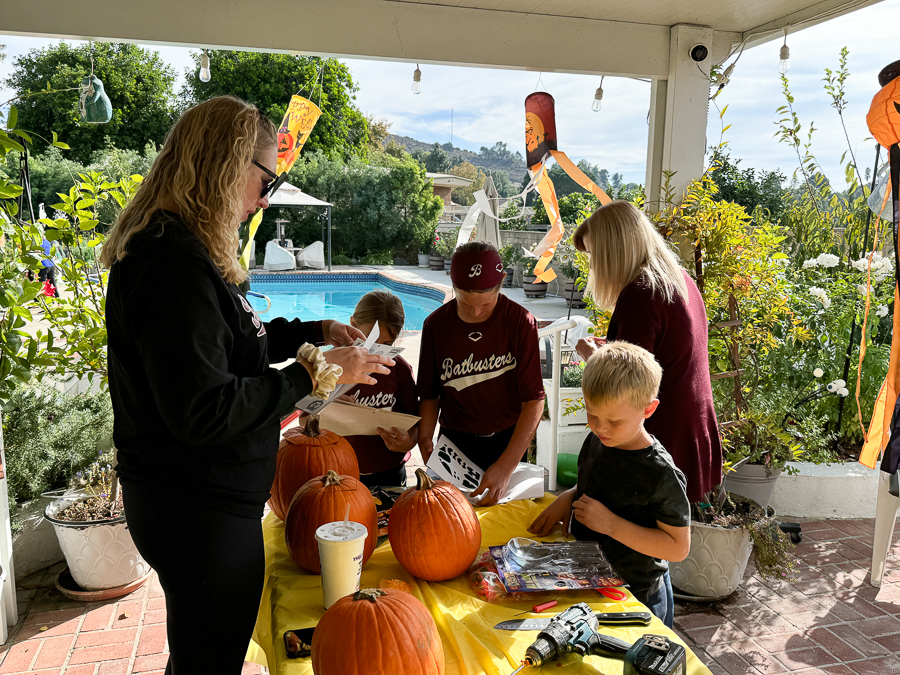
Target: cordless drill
x,y
575,630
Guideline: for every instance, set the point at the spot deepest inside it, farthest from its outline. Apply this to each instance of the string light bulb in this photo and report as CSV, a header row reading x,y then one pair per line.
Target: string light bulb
x,y
598,98
205,75
784,65
417,81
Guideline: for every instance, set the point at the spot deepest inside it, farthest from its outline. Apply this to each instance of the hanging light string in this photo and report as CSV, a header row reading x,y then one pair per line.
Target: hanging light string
x,y
417,81
784,64
598,96
205,74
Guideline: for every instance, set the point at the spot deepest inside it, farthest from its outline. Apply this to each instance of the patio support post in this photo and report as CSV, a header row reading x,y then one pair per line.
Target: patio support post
x,y
8,588
328,215
677,140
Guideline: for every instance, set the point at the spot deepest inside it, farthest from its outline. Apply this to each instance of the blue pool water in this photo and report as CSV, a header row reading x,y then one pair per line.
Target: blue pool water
x,y
323,299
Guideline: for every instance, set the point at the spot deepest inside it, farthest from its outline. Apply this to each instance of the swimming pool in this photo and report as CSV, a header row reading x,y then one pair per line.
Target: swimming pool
x,y
313,297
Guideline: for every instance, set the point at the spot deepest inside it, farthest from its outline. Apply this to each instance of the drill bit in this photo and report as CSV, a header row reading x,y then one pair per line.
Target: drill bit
x,y
520,668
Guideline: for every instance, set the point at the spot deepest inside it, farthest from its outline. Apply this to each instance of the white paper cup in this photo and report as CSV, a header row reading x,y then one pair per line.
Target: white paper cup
x,y
341,555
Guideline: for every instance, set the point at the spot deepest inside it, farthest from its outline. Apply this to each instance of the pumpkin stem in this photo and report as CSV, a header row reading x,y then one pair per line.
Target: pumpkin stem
x,y
423,480
332,478
312,427
368,594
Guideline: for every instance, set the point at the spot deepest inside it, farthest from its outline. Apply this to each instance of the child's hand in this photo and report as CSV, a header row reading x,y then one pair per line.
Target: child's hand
x,y
559,510
594,515
396,440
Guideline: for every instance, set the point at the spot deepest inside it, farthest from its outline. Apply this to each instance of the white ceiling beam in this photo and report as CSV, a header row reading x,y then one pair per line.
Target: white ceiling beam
x,y
360,28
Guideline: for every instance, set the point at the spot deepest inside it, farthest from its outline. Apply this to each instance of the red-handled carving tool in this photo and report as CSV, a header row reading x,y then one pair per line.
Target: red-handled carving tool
x,y
537,609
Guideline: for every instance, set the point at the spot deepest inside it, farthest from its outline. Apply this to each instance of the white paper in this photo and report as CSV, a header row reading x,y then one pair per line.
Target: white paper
x,y
351,419
451,464
313,404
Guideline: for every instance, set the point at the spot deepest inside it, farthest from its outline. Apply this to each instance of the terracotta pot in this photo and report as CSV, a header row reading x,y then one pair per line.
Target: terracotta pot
x,y
533,290
436,262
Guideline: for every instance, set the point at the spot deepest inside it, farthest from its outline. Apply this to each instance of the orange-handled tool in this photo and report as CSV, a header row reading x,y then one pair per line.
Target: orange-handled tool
x,y
537,609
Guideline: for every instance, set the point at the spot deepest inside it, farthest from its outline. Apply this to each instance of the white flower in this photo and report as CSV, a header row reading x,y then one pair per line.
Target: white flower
x,y
843,392
828,260
820,295
862,264
818,372
862,288
881,311
812,262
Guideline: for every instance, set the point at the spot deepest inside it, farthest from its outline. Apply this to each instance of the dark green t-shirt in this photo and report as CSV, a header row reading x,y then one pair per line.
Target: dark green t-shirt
x,y
641,486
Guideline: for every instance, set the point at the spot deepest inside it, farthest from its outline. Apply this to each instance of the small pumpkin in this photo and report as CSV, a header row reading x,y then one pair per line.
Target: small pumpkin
x,y
323,500
304,454
434,532
378,632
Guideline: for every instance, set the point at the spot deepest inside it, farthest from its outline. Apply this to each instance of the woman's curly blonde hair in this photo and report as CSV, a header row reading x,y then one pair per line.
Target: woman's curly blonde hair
x,y
203,168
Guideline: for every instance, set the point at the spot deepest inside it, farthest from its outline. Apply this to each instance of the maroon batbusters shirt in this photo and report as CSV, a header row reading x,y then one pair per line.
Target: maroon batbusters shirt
x,y
481,372
676,334
395,391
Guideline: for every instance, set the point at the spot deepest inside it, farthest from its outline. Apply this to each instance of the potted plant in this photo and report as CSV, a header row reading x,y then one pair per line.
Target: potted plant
x,y
424,242
509,255
94,536
571,401
436,258
568,265
725,531
532,289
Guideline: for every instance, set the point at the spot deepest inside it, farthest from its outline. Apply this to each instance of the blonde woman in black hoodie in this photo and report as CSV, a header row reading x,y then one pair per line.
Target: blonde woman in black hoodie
x,y
197,405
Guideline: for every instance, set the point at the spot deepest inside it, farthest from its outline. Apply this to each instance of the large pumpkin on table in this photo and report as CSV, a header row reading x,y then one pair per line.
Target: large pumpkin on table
x,y
305,453
378,633
434,532
323,500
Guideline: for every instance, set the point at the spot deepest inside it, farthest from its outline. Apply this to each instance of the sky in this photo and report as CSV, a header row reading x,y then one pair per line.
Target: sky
x,y
487,104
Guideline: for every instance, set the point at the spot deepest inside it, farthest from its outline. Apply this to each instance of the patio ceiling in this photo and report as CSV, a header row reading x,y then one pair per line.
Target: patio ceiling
x,y
580,36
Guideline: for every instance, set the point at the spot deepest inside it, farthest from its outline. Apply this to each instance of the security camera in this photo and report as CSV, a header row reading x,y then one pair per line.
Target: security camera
x,y
699,53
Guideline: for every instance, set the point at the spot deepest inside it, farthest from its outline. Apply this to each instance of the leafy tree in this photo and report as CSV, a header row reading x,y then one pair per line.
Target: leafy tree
x,y
436,161
269,81
376,207
565,185
744,187
137,81
501,181
465,195
378,131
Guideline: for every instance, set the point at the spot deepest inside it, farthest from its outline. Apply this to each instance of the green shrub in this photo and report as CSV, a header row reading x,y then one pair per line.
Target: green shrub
x,y
49,437
385,257
340,259
571,375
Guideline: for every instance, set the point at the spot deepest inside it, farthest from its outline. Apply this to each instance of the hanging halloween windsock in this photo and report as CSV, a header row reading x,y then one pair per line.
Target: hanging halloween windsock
x,y
884,431
540,148
299,120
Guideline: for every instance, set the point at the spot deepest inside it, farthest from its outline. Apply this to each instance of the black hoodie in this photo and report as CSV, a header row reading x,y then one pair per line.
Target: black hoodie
x,y
196,405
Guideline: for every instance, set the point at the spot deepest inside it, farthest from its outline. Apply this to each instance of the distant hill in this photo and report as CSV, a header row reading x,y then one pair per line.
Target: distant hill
x,y
496,157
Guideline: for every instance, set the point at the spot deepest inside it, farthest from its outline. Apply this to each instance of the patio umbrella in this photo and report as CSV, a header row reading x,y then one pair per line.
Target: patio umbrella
x,y
488,228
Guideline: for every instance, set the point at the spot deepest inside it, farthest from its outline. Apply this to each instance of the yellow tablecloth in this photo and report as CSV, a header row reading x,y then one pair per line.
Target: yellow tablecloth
x,y
292,599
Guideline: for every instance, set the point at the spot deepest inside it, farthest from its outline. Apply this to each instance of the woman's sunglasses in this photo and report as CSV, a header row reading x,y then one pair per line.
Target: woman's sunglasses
x,y
273,184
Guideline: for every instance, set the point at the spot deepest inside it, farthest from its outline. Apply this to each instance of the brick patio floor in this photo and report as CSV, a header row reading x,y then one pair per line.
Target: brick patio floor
x,y
829,621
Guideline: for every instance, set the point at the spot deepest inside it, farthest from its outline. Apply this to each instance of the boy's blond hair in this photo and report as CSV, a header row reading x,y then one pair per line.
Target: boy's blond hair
x,y
620,372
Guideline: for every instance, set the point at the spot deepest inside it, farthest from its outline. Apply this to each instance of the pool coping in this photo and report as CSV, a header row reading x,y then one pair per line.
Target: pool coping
x,y
437,291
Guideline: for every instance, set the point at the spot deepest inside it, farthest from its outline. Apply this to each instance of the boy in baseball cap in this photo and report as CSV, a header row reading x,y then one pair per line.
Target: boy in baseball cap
x,y
480,372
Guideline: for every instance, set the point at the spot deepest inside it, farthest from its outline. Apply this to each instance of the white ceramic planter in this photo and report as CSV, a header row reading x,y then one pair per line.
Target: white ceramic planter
x,y
751,480
423,260
572,393
100,555
716,563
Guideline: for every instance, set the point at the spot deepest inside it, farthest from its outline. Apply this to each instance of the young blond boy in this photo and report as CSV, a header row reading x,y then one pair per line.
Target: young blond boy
x,y
630,497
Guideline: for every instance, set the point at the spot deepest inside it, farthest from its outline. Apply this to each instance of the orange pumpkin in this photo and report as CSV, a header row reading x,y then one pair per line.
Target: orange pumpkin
x,y
434,532
351,637
323,500
883,117
304,454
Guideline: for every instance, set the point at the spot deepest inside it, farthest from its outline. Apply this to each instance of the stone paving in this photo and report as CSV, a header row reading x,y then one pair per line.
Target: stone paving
x,y
831,620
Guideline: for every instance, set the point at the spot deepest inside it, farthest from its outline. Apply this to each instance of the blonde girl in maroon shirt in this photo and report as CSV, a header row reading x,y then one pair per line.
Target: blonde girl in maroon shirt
x,y
480,371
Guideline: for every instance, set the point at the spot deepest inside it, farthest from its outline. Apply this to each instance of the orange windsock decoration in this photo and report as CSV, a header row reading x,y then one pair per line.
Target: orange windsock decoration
x,y
884,430
298,123
540,145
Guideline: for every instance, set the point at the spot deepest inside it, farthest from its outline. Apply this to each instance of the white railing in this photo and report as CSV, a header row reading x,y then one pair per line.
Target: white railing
x,y
553,403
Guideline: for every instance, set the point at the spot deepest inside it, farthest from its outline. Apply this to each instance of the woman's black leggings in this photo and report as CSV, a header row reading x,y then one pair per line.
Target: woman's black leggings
x,y
211,565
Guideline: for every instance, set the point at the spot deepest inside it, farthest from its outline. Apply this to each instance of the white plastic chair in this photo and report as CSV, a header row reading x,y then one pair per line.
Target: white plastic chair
x,y
885,517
